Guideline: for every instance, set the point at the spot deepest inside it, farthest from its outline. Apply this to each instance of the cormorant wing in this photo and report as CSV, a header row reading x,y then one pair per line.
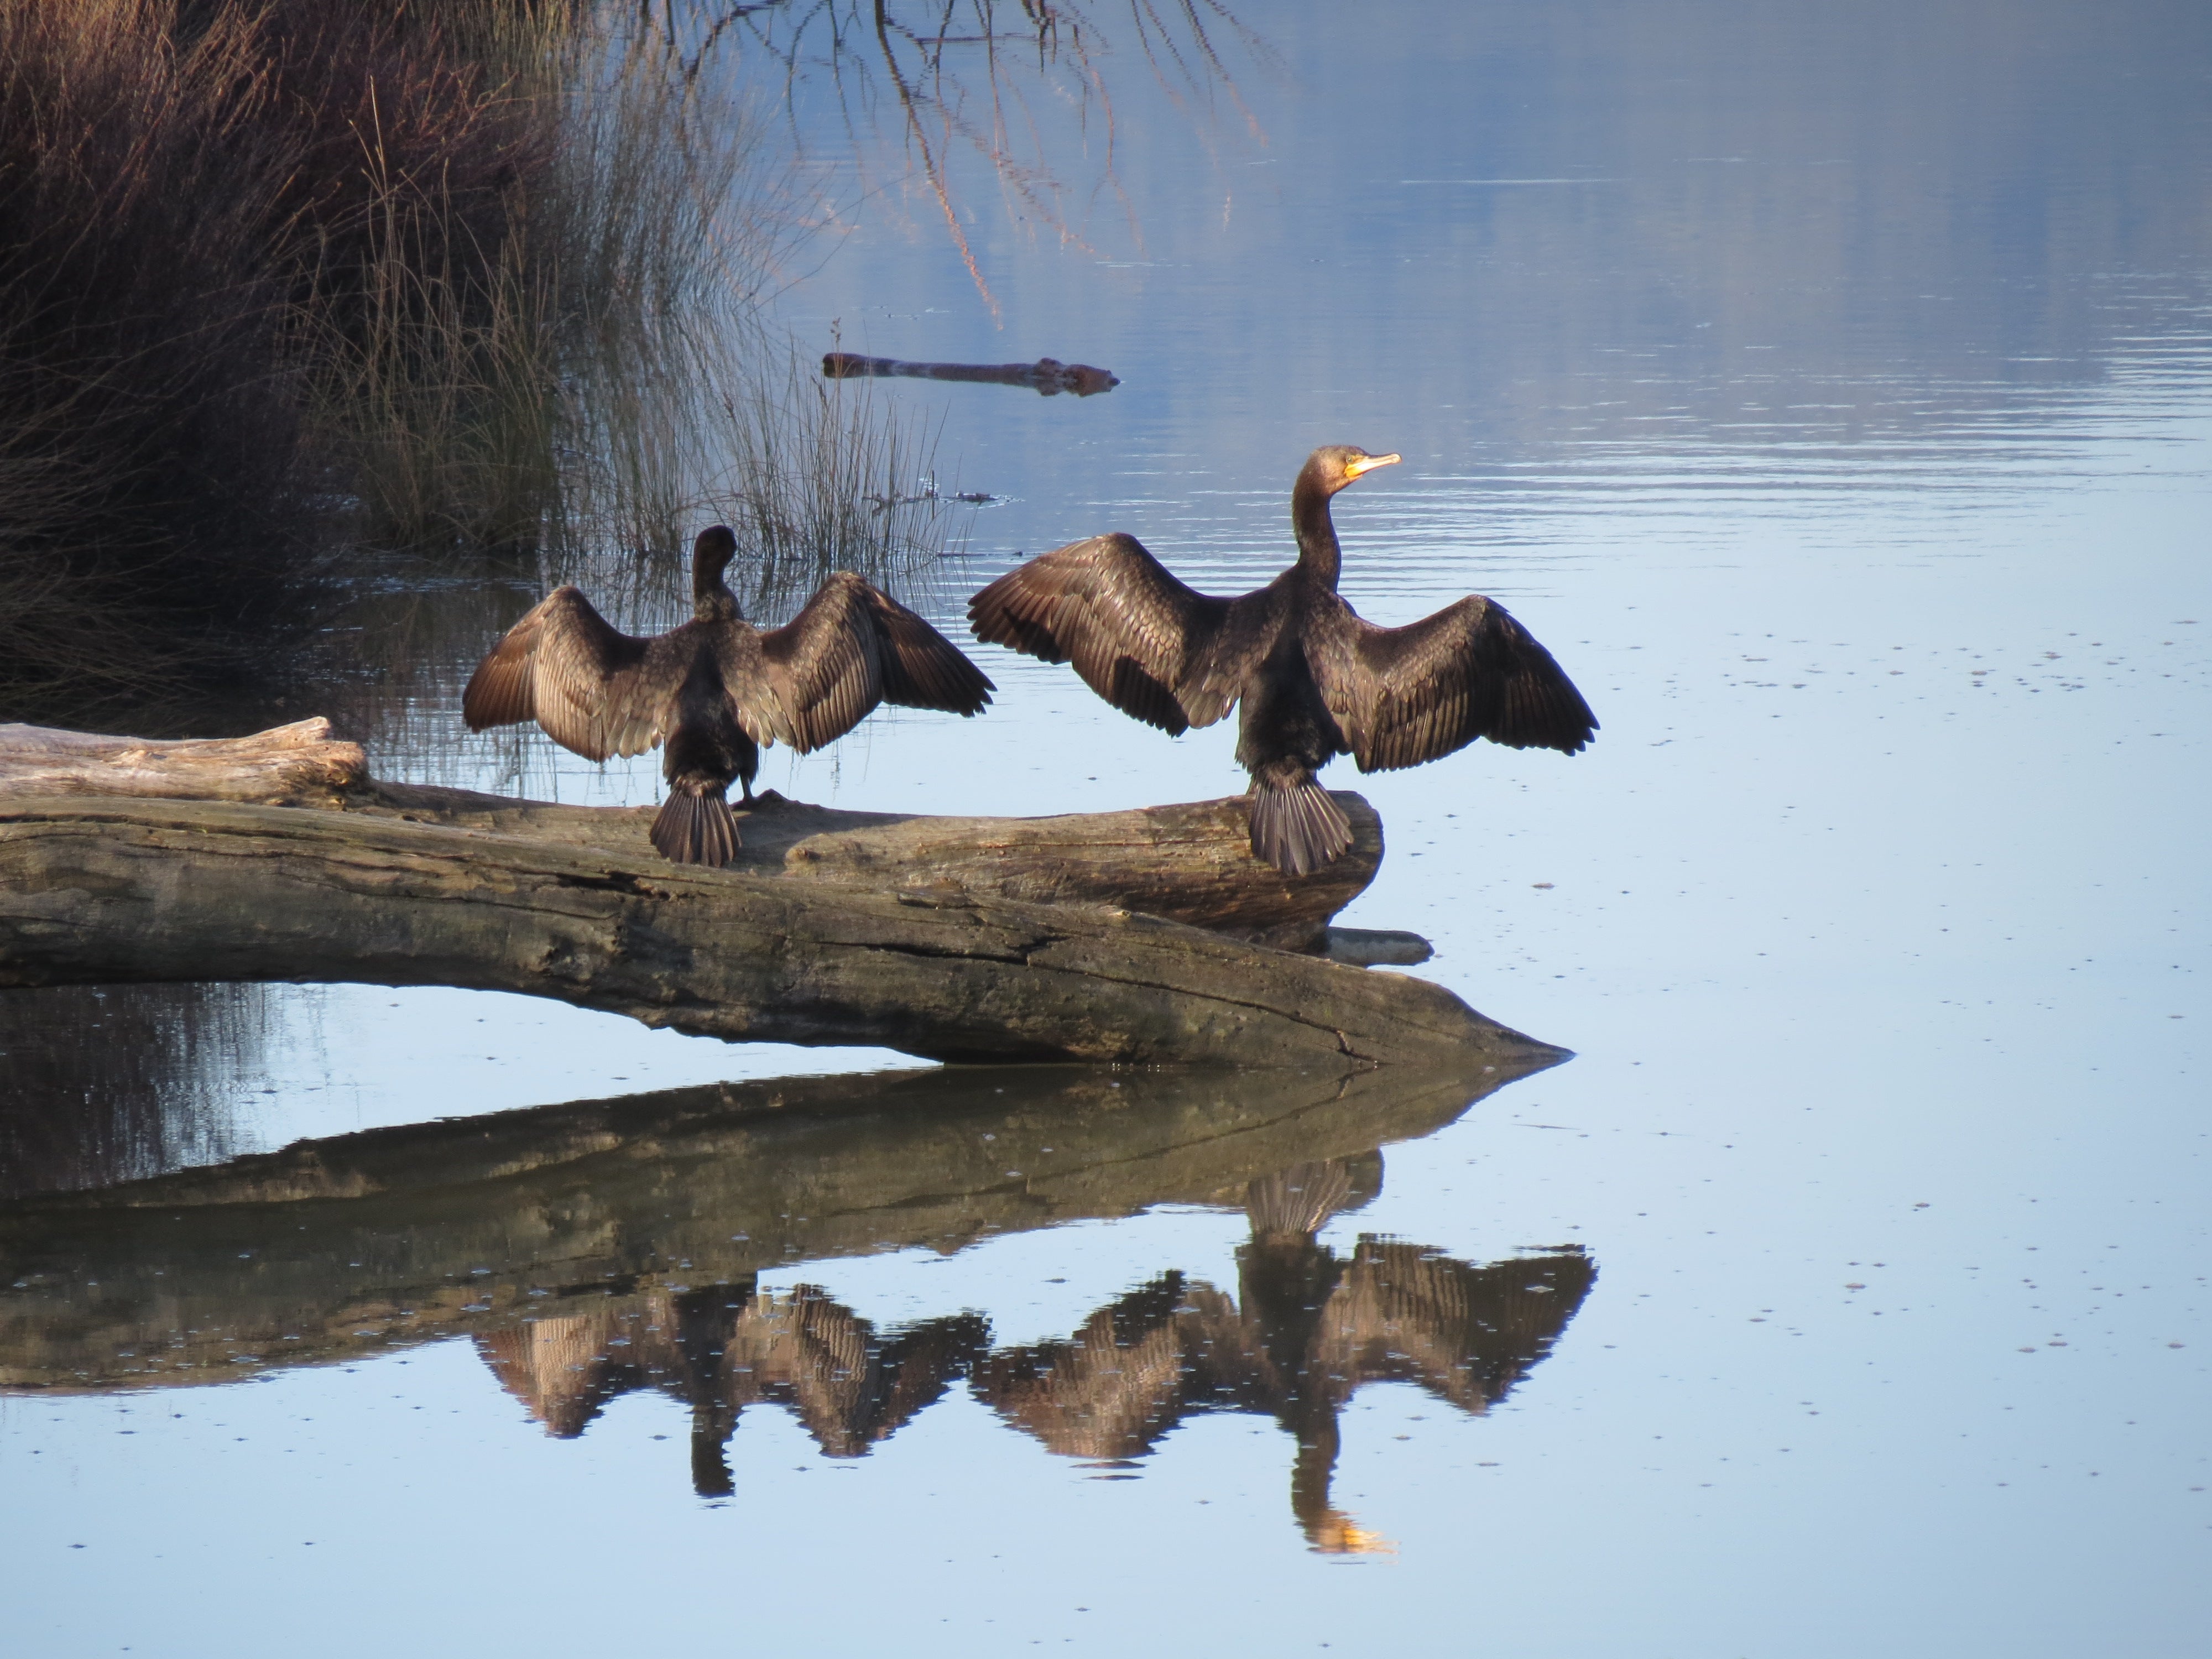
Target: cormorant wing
x,y
594,690
1139,638
1403,695
922,669
852,647
816,678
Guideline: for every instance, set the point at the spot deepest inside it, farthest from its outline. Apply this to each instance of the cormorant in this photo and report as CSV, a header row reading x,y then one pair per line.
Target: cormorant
x,y
716,690
1314,679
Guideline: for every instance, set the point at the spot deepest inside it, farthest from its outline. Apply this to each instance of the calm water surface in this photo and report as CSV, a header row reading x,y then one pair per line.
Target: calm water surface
x,y
1833,394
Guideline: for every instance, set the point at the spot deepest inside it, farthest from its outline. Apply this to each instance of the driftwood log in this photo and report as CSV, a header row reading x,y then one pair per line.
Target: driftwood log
x,y
299,765
331,1249
974,938
1047,376
1190,862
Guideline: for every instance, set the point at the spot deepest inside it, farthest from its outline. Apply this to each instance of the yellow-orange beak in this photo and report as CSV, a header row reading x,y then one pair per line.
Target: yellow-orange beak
x,y
1368,463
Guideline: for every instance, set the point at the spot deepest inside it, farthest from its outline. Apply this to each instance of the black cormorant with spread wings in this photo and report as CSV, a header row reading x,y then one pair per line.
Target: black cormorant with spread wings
x,y
716,690
1314,679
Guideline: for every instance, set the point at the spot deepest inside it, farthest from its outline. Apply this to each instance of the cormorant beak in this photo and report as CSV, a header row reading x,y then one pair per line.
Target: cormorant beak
x,y
1368,463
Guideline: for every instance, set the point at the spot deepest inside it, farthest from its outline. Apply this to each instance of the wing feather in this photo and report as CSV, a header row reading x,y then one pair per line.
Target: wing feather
x,y
1403,695
594,688
1139,638
824,666
756,700
922,669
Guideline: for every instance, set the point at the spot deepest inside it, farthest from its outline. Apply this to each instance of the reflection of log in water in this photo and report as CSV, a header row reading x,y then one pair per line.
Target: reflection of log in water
x,y
1047,375
336,1248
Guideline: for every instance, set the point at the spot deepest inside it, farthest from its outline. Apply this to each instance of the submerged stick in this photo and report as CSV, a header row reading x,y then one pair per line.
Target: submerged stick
x,y
1047,376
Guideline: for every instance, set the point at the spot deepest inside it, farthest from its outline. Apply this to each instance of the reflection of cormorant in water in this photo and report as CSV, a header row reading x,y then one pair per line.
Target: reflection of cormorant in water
x,y
1306,1330
1309,1328
726,1346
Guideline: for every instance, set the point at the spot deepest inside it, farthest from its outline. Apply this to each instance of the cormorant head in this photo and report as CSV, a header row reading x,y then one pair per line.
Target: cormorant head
x,y
717,544
711,600
1334,465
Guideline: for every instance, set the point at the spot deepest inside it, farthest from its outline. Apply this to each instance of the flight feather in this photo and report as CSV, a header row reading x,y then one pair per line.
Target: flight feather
x,y
1403,695
1136,636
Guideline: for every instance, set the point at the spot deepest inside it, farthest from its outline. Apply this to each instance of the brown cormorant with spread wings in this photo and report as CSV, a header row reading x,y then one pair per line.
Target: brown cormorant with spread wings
x,y
716,690
1314,679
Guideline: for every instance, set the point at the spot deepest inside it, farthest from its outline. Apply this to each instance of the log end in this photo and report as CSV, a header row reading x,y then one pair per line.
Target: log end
x,y
298,764
1375,947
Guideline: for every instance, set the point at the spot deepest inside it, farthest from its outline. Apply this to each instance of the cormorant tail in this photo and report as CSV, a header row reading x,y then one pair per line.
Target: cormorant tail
x,y
696,829
1297,829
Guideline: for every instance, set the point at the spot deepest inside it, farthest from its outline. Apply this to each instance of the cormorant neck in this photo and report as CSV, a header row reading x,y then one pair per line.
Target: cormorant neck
x,y
1318,556
711,598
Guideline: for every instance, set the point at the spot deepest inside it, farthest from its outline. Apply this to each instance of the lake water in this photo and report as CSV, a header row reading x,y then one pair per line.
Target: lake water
x,y
1832,390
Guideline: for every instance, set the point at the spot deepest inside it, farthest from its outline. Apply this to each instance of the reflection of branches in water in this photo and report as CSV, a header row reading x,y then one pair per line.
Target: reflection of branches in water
x,y
974,78
114,1084
1305,1331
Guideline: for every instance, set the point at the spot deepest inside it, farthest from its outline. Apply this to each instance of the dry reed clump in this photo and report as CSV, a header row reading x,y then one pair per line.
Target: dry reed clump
x,y
204,207
477,273
145,428
812,476
820,476
425,307
664,218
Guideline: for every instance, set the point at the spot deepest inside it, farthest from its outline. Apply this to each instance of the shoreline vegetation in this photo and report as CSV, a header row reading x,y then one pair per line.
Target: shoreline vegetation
x,y
290,281
304,298
209,213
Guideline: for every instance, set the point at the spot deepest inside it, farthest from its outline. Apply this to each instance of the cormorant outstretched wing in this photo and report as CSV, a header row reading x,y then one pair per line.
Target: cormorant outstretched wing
x,y
922,669
1149,646
595,690
851,648
1403,695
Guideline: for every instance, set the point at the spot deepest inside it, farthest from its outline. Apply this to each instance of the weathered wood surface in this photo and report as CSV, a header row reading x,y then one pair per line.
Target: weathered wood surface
x,y
1189,862
1047,376
331,1249
275,856
94,891
297,763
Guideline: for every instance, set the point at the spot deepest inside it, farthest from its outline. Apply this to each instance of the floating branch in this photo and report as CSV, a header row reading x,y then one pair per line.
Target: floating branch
x,y
1047,375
